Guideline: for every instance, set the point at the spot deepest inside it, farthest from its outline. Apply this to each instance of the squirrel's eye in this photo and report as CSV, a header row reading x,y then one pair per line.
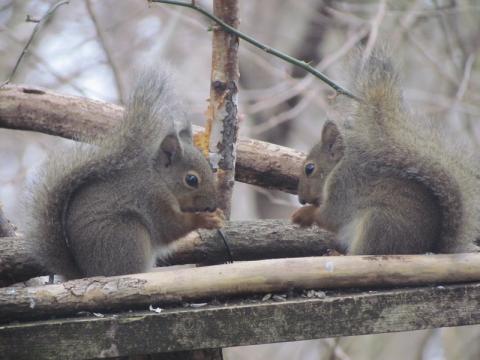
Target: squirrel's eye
x,y
191,180
309,168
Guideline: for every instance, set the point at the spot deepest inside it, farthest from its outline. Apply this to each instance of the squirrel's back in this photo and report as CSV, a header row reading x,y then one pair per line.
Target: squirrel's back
x,y
404,145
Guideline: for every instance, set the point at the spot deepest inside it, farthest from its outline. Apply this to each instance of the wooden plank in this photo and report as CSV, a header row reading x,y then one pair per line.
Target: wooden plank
x,y
26,107
244,322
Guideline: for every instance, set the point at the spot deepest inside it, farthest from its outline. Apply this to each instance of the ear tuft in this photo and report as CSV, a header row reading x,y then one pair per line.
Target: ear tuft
x,y
170,150
332,140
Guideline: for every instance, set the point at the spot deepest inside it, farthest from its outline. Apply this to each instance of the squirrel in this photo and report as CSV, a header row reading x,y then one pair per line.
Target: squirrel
x,y
111,206
385,181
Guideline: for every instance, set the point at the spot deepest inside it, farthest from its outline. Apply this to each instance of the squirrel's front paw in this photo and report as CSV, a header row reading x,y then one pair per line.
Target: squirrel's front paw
x,y
305,216
210,220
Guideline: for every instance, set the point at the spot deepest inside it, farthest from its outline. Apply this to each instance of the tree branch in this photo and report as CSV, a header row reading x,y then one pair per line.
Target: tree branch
x,y
32,108
103,43
302,64
223,107
265,276
32,36
247,240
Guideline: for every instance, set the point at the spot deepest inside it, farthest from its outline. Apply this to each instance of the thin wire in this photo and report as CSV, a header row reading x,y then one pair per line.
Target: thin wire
x,y
227,248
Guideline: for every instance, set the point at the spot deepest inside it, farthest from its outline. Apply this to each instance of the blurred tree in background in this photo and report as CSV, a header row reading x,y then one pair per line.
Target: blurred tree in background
x,y
94,48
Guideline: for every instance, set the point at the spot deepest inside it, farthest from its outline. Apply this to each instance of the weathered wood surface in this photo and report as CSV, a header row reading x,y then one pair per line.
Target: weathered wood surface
x,y
25,107
247,240
244,323
263,276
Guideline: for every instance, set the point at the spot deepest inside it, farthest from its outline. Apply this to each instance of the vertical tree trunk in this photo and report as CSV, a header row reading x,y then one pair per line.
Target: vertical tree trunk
x,y
223,118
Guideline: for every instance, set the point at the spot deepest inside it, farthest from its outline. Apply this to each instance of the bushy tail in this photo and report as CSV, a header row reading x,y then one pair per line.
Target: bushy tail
x,y
153,112
399,144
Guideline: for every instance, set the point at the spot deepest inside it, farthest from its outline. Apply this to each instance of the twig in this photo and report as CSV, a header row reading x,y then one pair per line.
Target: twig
x,y
103,42
32,36
375,26
466,78
60,78
447,36
302,64
285,116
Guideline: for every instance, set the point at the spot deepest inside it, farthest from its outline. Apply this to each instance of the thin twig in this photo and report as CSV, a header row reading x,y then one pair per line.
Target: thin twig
x,y
447,36
285,116
32,36
60,78
466,78
375,26
302,64
103,43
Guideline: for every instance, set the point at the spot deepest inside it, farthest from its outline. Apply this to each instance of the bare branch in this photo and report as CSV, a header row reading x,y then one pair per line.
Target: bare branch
x,y
36,109
37,27
103,43
302,64
246,240
264,276
375,26
223,106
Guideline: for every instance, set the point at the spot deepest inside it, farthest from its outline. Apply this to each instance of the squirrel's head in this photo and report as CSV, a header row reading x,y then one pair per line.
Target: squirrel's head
x,y
319,163
187,174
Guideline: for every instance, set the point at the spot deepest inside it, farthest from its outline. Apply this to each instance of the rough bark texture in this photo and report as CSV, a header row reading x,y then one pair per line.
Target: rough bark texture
x,y
264,276
246,240
16,261
223,101
243,323
31,108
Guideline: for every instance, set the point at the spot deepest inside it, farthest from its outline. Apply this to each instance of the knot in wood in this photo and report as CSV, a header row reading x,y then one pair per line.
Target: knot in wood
x,y
219,86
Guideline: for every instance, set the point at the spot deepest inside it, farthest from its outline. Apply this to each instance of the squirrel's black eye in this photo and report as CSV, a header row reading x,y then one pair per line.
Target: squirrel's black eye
x,y
191,180
309,168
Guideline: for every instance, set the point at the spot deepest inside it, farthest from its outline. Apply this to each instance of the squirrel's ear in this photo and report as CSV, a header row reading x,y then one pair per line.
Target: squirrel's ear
x,y
170,150
332,140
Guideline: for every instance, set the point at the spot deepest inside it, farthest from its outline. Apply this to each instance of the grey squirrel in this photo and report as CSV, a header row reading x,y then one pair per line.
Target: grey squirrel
x,y
384,180
108,208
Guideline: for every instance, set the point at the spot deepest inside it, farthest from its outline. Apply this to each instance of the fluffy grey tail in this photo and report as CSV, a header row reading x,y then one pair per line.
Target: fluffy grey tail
x,y
154,110
400,144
